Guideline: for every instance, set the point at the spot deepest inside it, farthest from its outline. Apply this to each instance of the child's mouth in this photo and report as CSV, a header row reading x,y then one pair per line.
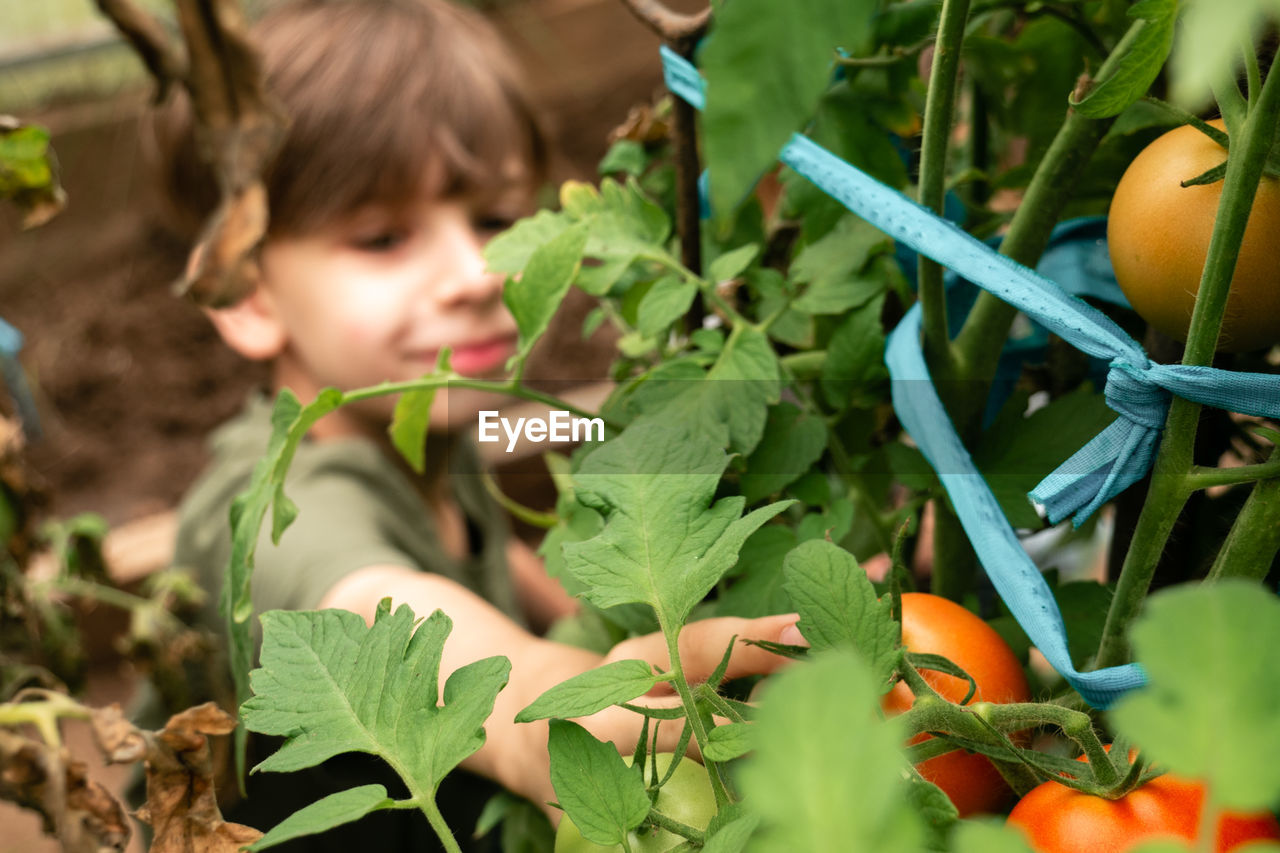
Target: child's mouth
x,y
482,357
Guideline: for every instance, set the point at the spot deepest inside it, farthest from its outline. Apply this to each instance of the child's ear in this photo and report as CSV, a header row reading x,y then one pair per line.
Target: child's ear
x,y
251,327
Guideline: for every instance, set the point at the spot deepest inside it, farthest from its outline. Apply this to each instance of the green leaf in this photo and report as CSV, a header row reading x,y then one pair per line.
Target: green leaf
x,y
324,814
727,742
664,543
854,373
534,297
1140,65
731,264
664,303
603,797
757,589
832,265
838,606
731,836
1207,50
412,419
1212,656
28,174
1017,452
826,775
973,836
510,251
329,685
592,691
766,66
792,441
289,423
626,156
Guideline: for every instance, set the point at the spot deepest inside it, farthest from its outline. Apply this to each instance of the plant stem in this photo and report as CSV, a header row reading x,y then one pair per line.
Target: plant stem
x,y
938,117
675,827
692,714
497,386
432,811
1251,546
1174,458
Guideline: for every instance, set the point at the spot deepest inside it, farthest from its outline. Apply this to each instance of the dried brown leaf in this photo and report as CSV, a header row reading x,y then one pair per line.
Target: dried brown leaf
x,y
81,813
182,806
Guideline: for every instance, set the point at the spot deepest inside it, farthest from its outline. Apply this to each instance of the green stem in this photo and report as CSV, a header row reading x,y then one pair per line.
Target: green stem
x,y
529,515
1174,458
691,710
1251,546
497,386
938,117
1201,477
675,827
432,811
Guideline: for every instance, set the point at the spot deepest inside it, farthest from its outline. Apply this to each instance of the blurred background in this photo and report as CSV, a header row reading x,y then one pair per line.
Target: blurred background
x,y
127,378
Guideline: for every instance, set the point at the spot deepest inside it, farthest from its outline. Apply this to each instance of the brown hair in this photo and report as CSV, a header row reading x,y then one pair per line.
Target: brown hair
x,y
379,93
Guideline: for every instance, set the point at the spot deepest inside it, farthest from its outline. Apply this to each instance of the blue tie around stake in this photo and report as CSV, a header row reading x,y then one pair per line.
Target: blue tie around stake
x,y
1136,388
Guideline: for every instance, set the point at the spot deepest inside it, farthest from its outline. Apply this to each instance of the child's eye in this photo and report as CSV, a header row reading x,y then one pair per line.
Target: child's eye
x,y
379,241
493,224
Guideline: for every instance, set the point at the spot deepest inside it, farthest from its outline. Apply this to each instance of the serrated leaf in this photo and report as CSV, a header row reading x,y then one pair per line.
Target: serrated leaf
x,y
535,295
932,804
1212,657
838,606
324,814
826,775
766,68
854,373
664,303
757,589
731,264
1139,66
728,741
592,691
792,441
289,423
329,685
664,543
604,797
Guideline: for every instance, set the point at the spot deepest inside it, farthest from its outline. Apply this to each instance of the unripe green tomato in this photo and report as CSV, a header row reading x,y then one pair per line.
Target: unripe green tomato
x,y
687,797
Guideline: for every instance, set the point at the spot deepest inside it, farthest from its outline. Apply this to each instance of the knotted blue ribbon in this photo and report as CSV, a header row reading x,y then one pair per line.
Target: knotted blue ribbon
x,y
1137,389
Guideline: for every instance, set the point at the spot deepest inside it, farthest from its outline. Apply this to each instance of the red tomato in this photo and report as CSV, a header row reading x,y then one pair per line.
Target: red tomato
x,y
935,625
1058,819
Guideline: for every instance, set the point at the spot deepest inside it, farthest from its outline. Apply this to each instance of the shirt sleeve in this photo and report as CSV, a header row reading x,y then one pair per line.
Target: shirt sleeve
x,y
340,528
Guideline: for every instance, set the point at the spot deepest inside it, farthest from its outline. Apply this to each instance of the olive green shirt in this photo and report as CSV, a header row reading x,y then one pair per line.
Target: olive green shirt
x,y
356,508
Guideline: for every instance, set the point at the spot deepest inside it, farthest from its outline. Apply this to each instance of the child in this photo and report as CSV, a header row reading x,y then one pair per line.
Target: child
x,y
410,145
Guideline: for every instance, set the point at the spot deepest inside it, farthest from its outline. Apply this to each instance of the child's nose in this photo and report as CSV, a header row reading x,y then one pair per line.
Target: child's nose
x,y
466,276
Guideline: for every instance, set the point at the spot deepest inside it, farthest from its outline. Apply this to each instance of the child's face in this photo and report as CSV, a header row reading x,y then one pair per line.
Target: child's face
x,y
376,296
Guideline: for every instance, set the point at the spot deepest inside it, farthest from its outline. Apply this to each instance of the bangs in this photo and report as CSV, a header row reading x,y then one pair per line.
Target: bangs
x,y
385,95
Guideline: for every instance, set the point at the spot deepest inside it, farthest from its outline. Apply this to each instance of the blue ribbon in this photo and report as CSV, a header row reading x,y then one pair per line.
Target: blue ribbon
x,y
1137,389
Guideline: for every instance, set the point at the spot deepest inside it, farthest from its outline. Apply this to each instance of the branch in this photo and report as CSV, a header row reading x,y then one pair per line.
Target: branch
x,y
670,26
163,58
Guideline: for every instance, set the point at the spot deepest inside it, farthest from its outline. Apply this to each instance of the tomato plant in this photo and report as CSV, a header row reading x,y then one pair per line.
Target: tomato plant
x,y
934,625
1058,819
1158,233
686,797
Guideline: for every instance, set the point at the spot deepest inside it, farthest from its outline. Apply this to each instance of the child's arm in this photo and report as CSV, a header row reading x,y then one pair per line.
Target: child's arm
x,y
515,755
542,598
